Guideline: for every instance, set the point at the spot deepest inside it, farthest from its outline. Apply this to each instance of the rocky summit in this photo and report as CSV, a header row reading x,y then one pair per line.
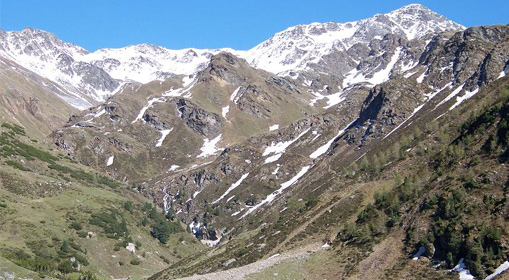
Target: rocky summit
x,y
373,149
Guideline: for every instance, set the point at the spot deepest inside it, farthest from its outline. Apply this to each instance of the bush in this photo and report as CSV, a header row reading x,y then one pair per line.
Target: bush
x,y
82,234
76,226
135,262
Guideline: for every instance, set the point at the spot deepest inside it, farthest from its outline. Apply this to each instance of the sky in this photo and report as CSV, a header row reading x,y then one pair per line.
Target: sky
x,y
238,24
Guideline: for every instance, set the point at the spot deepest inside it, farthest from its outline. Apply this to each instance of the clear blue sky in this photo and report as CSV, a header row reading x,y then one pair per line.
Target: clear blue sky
x,y
239,24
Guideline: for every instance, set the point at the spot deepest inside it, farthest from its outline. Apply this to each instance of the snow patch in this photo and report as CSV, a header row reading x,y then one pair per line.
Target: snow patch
x,y
355,76
504,72
274,127
209,147
283,187
461,99
110,160
164,133
321,150
210,243
225,110
144,109
279,148
462,270
503,267
234,97
276,170
231,188
420,79
451,95
419,253
173,167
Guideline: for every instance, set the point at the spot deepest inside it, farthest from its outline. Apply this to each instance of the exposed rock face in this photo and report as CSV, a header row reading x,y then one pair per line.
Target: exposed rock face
x,y
468,60
199,120
474,57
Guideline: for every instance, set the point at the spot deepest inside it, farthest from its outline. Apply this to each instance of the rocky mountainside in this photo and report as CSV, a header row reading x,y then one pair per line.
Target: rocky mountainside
x,y
312,178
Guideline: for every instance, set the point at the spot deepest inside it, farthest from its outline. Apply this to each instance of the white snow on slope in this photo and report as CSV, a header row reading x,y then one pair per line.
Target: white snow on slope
x,y
461,269
173,167
110,160
274,127
420,79
419,253
164,133
503,267
187,84
209,147
503,73
466,96
451,95
234,97
279,148
296,47
100,113
323,149
144,109
283,187
145,63
355,76
225,110
231,188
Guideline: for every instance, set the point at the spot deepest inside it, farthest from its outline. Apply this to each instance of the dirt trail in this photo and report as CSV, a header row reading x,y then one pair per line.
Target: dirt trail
x,y
258,266
345,194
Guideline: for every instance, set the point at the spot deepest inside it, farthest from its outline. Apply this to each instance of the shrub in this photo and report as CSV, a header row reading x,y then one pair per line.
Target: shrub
x,y
135,262
76,225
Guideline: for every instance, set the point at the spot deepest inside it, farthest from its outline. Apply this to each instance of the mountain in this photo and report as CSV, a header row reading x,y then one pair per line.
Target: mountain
x,y
332,48
302,47
380,156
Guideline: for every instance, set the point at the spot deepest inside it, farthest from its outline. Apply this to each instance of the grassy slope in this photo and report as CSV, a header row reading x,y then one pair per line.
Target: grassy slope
x,y
38,207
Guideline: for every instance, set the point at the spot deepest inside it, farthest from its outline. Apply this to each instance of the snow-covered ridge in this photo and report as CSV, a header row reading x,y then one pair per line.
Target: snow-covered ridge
x,y
296,47
92,77
145,63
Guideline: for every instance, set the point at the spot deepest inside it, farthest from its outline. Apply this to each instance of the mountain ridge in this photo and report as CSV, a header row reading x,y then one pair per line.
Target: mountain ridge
x,y
92,77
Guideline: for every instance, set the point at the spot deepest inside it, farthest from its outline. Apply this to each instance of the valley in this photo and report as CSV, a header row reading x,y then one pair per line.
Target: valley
x,y
373,149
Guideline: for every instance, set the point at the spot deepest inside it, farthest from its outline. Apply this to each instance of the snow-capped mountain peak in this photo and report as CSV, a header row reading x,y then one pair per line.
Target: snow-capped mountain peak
x,y
295,48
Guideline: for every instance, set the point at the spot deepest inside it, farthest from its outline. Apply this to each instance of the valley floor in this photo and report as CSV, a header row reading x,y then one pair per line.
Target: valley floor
x,y
244,272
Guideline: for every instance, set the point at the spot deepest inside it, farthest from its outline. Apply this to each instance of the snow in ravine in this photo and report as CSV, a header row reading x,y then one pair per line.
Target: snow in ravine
x,y
209,147
451,95
235,96
283,187
466,96
279,148
231,188
164,133
420,79
321,150
419,253
461,269
110,160
503,267
144,109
